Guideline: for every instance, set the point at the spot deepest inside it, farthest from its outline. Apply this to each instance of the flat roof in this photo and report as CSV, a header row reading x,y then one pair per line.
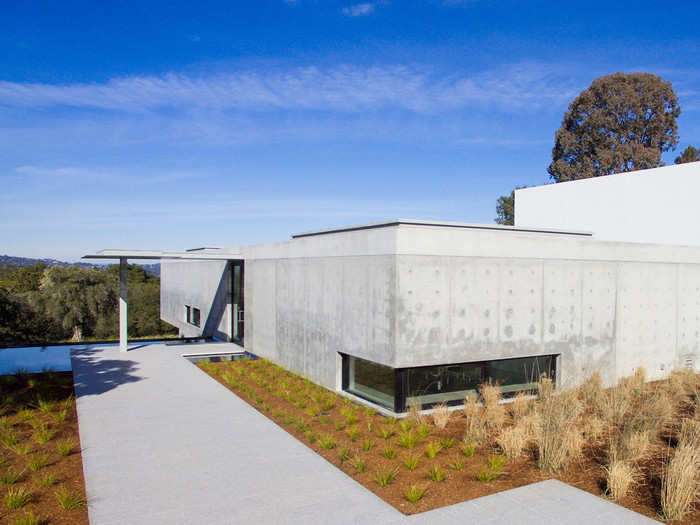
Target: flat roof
x,y
440,224
156,254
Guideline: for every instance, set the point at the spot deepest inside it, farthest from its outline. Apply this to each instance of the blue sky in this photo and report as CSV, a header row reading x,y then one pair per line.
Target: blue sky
x,y
179,124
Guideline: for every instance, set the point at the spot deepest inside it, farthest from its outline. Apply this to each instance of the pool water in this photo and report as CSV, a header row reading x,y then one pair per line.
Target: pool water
x,y
38,358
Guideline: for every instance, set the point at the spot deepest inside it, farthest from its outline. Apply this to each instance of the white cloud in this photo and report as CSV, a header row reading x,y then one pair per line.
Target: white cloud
x,y
359,9
345,89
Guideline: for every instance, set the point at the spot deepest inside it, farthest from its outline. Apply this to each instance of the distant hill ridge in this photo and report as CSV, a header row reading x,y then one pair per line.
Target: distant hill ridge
x,y
153,269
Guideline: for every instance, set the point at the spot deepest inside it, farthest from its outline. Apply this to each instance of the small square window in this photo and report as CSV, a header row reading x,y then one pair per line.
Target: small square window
x,y
195,316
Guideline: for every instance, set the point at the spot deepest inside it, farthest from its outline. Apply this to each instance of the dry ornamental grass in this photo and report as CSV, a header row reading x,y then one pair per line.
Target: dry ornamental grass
x,y
612,442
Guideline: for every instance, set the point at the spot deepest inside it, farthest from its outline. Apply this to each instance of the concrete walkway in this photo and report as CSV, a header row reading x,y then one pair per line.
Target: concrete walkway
x,y
162,441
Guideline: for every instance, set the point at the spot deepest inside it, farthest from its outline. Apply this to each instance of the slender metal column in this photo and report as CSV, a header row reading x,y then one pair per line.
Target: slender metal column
x,y
122,305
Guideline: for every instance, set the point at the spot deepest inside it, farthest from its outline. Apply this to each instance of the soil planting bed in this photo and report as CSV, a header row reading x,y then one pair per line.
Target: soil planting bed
x,y
39,445
358,440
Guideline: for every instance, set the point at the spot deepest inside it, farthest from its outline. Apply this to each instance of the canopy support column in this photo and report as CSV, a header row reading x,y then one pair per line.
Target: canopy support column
x,y
122,304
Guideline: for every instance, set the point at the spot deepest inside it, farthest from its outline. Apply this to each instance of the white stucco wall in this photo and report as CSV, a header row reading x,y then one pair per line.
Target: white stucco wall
x,y
658,205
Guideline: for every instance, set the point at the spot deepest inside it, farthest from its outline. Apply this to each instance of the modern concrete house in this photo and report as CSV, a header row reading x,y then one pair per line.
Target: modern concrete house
x,y
408,310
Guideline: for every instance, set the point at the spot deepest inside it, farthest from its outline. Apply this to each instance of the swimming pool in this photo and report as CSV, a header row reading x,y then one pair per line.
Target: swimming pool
x,y
39,358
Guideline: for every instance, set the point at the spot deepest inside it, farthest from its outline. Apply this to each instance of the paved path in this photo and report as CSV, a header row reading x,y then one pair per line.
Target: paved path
x,y
162,441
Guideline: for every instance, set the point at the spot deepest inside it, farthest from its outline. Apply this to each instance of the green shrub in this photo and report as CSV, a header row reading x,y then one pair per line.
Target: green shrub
x,y
9,438
467,449
46,480
326,442
414,493
359,463
69,500
388,453
65,447
496,461
10,476
37,462
60,416
486,475
386,476
407,439
423,430
411,462
17,498
436,473
446,443
433,449
386,432
457,464
27,519
22,449
24,415
44,435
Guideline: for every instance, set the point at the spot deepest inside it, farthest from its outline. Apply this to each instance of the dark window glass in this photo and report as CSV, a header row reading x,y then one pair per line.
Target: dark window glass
x,y
450,383
371,381
195,316
188,314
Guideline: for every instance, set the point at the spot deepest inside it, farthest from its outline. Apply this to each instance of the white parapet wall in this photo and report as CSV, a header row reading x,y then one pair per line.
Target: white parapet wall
x,y
658,205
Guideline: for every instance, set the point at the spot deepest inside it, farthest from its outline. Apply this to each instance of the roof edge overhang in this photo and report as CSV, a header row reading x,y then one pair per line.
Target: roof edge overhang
x,y
440,224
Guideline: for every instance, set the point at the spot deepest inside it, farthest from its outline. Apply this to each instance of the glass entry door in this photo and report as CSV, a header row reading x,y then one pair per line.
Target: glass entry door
x,y
237,308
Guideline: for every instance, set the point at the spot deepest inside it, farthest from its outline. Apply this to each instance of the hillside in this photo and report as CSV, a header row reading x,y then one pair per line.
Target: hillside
x,y
153,269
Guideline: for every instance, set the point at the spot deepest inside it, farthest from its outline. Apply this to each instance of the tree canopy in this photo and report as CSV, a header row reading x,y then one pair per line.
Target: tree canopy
x,y
622,122
690,154
505,208
49,304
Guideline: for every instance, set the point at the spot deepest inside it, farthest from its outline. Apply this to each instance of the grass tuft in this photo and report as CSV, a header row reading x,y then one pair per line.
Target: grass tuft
x,y
69,500
411,462
37,462
433,449
437,474
414,493
359,463
679,483
367,445
46,480
10,476
457,464
327,442
388,453
385,476
28,519
17,498
441,415
65,447
407,439
620,476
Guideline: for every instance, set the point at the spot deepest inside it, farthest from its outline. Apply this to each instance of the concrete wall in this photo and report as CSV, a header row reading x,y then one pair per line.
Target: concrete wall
x,y
652,206
605,316
200,284
300,312
419,294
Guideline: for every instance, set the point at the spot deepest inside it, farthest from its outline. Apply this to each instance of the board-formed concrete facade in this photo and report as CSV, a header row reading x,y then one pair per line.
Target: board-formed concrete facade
x,y
657,205
408,294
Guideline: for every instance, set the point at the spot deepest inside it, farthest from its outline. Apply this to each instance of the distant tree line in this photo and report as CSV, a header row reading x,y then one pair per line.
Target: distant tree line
x,y
51,304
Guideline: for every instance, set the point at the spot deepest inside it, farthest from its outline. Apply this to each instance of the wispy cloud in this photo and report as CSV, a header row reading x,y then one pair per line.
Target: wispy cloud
x,y
359,9
346,88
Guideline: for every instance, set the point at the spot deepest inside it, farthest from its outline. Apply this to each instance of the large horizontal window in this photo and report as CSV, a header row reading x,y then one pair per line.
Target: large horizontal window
x,y
371,381
396,388
451,383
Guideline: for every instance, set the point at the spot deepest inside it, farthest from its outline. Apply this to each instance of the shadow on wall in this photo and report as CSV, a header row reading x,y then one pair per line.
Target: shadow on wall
x,y
93,376
218,309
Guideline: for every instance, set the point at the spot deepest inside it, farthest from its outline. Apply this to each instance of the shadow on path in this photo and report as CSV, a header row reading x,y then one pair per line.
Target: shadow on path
x,y
93,375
